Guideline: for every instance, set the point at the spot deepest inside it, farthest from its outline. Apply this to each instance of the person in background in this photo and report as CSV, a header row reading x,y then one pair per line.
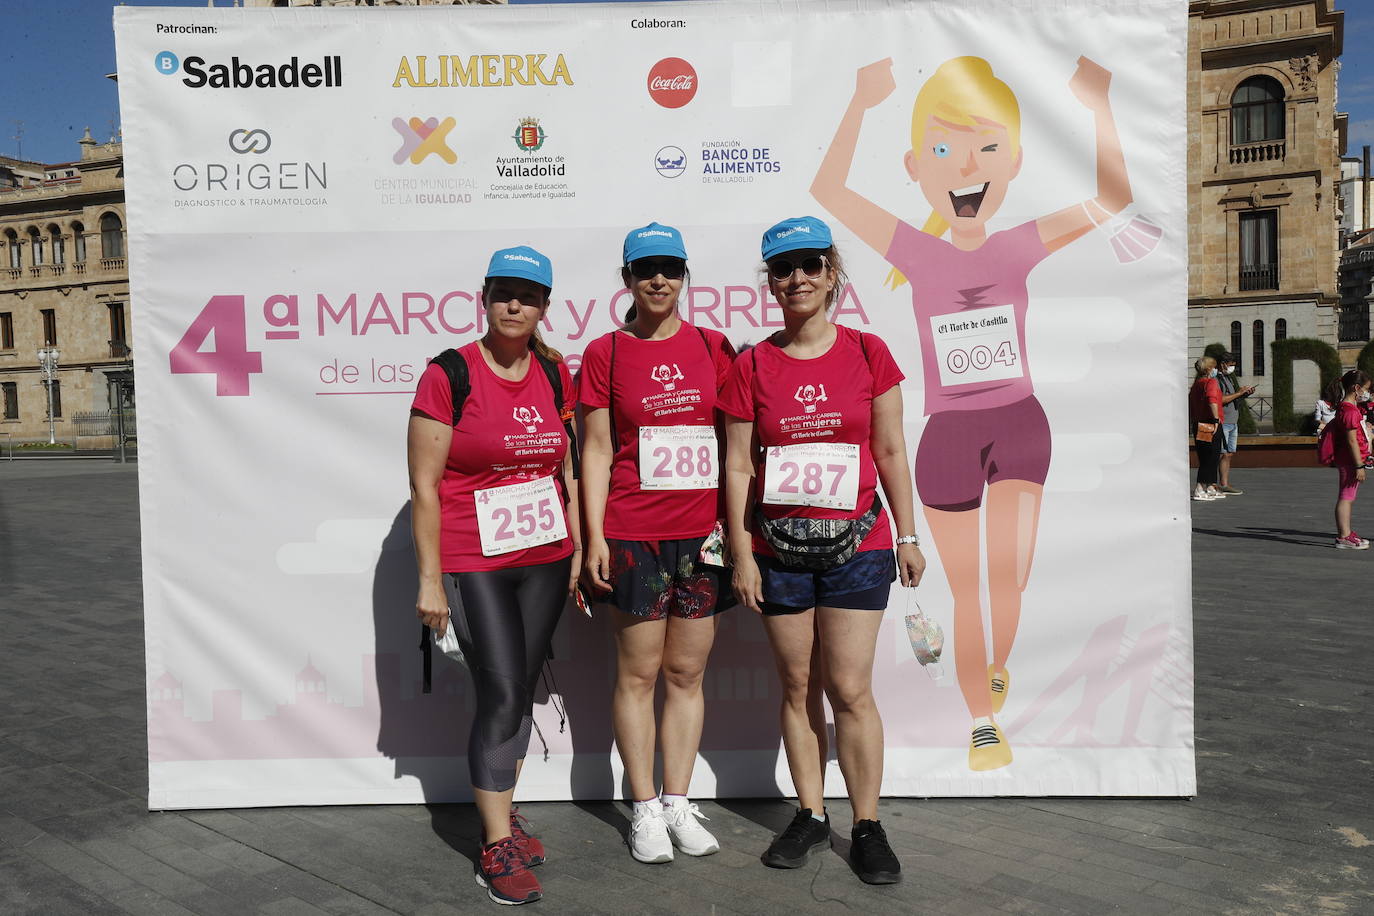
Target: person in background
x,y
1204,407
1231,393
1351,441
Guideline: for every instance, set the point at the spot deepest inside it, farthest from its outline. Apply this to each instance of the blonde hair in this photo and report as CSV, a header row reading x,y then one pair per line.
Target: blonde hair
x,y
960,90
1204,365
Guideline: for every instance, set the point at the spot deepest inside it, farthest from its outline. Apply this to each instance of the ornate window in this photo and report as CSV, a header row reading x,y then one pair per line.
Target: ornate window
x,y
12,242
111,236
35,246
1281,329
1237,340
1257,111
59,246
1259,250
78,242
1258,356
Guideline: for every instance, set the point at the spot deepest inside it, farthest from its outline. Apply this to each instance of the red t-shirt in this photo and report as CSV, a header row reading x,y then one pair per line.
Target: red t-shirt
x,y
671,382
822,400
510,432
1204,391
1348,417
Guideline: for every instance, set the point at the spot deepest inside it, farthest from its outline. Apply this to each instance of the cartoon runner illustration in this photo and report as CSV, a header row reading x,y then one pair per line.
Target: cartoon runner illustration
x,y
986,428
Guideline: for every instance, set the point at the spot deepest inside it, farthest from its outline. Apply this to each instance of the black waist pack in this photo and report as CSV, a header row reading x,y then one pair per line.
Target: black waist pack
x,y
818,544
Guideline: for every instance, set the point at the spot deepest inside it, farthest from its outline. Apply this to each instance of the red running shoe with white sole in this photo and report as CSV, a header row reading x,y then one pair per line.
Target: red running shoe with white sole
x,y
503,870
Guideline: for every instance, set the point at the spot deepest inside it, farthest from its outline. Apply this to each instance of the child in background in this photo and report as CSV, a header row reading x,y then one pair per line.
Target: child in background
x,y
1351,441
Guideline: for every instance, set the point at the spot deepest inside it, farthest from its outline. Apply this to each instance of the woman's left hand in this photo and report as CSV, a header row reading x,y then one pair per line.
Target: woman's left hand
x,y
911,565
576,570
1089,83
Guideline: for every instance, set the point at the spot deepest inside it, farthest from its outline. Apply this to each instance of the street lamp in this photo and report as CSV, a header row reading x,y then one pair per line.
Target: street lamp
x,y
47,362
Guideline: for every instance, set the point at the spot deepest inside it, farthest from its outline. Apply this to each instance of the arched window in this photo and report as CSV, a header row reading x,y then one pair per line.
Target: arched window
x,y
59,246
12,243
1257,111
78,242
35,246
1237,341
1258,358
1281,329
111,238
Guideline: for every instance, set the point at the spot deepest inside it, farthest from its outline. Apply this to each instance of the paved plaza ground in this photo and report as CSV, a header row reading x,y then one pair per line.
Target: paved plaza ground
x,y
1283,821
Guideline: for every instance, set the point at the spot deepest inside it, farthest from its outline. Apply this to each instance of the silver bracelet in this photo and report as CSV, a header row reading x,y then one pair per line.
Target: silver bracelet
x,y
909,539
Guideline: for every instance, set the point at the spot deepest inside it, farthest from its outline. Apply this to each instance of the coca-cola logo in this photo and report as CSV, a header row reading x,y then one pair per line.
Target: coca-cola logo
x,y
672,82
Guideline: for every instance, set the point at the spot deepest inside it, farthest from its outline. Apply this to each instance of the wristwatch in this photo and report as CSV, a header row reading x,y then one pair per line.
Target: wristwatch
x,y
909,539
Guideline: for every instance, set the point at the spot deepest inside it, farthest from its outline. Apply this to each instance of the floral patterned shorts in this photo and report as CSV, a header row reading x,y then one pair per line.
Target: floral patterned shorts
x,y
659,579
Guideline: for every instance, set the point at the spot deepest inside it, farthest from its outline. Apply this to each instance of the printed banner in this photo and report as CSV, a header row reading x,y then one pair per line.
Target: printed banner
x,y
313,195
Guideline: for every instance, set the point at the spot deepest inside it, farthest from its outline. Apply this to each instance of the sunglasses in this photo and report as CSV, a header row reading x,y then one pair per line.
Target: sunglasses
x,y
812,267
648,268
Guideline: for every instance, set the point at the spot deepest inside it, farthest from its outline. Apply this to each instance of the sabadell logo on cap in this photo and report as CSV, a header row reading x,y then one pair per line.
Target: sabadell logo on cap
x,y
521,257
786,232
672,82
648,232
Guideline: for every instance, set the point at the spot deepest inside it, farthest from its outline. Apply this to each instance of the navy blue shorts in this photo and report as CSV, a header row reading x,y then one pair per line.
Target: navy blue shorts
x,y
861,584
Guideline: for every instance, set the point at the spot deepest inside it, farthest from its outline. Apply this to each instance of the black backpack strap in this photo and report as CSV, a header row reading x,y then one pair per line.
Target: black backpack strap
x,y
556,383
610,395
460,387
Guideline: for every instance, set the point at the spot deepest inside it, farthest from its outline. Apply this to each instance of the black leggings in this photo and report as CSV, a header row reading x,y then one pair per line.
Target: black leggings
x,y
504,621
1208,457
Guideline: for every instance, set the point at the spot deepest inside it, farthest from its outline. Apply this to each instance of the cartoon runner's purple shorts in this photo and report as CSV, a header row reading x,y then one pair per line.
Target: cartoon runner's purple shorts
x,y
962,451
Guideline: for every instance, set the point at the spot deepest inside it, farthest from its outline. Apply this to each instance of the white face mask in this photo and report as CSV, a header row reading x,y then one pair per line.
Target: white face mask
x,y
1362,397
1229,369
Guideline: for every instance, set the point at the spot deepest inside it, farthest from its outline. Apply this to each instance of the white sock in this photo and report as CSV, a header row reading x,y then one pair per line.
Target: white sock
x,y
982,720
818,817
672,801
653,806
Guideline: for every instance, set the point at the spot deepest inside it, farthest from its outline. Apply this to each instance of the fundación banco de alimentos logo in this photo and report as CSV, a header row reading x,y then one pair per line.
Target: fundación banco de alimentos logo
x,y
421,139
670,162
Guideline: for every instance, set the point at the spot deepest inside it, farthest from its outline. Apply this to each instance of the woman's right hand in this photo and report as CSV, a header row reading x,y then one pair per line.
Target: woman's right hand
x,y
874,83
431,606
748,583
596,564
1359,475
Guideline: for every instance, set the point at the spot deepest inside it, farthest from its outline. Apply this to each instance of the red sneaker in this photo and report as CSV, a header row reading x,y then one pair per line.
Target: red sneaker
x,y
533,849
502,870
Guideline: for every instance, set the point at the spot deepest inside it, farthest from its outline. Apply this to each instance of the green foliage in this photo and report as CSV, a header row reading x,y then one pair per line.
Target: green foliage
x,y
1365,360
47,446
1284,353
1245,418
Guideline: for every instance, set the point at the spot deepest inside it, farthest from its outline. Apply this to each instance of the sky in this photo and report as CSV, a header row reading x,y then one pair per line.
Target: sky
x,y
55,54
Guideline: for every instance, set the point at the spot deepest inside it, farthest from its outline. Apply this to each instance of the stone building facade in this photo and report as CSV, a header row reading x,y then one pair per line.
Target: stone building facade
x,y
63,283
1264,162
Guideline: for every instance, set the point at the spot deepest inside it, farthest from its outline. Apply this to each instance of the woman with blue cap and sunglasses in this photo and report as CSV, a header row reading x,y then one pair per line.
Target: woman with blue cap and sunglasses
x,y
813,420
494,506
651,498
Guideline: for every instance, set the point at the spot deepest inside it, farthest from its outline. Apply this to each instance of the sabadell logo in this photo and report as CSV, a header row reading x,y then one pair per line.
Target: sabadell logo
x,y
521,257
672,82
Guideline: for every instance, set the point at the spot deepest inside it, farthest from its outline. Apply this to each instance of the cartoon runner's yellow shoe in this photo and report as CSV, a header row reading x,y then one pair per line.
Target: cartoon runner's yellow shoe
x,y
988,748
999,685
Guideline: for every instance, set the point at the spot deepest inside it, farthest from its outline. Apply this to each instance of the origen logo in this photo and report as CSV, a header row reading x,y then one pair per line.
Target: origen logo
x,y
670,162
420,139
672,82
166,62
250,141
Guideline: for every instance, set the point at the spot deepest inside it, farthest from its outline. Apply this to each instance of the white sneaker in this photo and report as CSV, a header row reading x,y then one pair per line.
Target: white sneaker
x,y
1214,493
687,835
1201,495
648,837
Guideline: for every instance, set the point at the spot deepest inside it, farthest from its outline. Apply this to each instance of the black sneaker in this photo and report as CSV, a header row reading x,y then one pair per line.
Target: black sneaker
x,y
791,848
873,858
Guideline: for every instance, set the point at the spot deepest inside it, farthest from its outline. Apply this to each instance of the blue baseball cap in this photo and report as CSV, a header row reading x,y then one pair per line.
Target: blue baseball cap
x,y
654,241
794,233
524,262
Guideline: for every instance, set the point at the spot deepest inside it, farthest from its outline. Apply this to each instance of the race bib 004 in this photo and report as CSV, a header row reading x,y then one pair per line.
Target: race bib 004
x,y
977,345
678,458
822,474
519,516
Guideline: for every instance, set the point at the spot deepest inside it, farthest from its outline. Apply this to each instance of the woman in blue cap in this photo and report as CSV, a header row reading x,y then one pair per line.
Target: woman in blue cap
x,y
494,506
813,420
651,498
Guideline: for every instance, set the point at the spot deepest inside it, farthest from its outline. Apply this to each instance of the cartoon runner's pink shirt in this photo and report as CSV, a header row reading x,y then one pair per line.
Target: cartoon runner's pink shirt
x,y
971,314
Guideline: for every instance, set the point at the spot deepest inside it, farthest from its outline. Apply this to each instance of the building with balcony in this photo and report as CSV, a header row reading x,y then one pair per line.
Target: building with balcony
x,y
1264,164
64,285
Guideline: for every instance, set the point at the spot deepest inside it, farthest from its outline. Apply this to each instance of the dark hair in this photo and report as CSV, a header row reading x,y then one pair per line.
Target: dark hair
x,y
832,254
537,343
626,277
1352,380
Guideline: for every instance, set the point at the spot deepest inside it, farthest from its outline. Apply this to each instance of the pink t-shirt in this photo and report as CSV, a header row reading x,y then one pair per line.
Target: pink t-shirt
x,y
1348,417
825,399
510,432
970,314
670,382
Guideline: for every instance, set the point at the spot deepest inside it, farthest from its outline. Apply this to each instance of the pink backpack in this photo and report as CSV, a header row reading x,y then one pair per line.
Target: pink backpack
x,y
1326,445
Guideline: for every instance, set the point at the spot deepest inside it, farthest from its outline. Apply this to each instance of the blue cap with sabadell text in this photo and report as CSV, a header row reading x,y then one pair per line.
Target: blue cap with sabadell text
x,y
654,241
524,262
795,233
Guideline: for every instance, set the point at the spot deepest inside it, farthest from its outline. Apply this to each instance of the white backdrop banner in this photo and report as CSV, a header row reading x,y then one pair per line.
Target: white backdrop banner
x,y
313,195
